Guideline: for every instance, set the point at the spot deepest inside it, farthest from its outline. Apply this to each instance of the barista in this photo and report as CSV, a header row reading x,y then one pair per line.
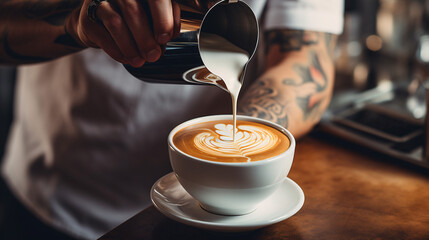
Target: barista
x,y
88,140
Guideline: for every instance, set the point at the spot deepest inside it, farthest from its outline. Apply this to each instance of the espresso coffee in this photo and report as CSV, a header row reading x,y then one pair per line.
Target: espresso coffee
x,y
214,141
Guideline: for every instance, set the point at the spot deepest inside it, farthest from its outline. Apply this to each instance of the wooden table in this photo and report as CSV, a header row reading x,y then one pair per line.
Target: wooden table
x,y
351,193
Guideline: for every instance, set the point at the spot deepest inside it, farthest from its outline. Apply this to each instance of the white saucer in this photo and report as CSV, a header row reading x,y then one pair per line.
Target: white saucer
x,y
172,200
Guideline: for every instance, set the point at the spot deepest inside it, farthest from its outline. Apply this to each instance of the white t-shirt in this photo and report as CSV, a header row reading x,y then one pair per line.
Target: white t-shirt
x,y
89,140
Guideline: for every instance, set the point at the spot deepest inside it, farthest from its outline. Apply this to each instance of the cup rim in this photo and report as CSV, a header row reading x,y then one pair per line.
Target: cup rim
x,y
229,117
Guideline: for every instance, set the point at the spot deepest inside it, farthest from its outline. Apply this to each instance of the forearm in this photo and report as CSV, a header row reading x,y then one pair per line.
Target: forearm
x,y
297,85
35,30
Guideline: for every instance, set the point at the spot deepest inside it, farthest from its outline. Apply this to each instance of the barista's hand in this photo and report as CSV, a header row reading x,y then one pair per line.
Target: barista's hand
x,y
124,30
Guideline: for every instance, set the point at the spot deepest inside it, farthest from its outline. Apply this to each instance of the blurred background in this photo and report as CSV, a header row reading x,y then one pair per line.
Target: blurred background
x,y
382,62
382,66
7,86
385,44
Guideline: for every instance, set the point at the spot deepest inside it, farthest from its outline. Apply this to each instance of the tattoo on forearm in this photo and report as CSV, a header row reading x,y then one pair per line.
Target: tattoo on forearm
x,y
264,101
52,12
328,41
294,40
290,40
330,44
313,77
267,99
14,55
67,40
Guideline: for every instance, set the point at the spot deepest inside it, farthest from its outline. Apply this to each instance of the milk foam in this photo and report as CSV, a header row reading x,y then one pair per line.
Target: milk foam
x,y
212,141
227,61
249,140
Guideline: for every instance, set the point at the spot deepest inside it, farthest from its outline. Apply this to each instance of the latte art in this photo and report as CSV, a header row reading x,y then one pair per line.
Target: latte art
x,y
249,140
214,141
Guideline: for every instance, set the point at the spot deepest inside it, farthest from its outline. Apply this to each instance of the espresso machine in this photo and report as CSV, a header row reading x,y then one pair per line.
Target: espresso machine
x,y
382,70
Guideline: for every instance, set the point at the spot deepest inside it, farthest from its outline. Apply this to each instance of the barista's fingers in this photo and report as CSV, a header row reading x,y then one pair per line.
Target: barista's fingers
x,y
163,20
104,41
177,21
119,32
137,21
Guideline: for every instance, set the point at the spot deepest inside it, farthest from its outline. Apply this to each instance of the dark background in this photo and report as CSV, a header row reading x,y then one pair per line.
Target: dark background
x,y
7,85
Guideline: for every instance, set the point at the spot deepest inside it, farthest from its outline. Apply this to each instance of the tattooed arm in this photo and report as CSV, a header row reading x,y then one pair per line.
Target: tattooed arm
x,y
41,30
297,84
33,31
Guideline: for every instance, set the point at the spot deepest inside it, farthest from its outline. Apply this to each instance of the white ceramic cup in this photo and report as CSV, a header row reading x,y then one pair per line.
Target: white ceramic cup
x,y
230,188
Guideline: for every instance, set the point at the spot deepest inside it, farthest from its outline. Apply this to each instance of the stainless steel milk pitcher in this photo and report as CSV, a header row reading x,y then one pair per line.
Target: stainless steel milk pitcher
x,y
181,61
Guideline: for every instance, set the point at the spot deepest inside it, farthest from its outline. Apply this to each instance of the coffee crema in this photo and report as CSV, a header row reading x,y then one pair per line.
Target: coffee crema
x,y
213,140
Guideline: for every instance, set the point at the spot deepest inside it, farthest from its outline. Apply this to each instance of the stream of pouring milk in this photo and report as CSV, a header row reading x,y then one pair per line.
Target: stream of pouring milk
x,y
226,60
